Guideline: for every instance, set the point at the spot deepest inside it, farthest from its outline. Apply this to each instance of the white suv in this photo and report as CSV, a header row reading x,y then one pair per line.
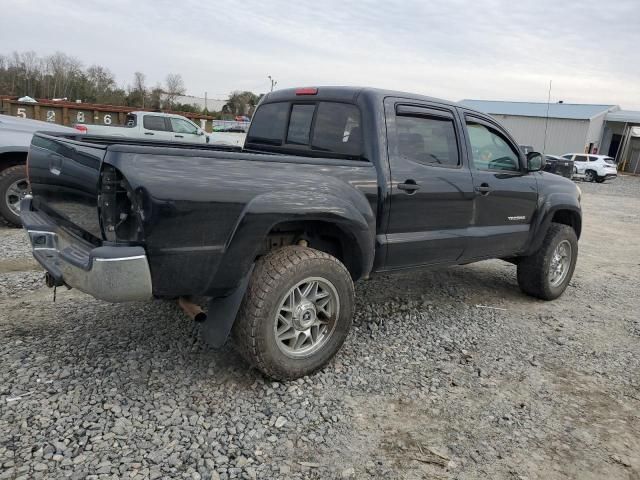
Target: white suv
x,y
593,168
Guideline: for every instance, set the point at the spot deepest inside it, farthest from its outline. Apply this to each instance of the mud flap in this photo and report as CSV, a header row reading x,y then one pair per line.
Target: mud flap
x,y
222,313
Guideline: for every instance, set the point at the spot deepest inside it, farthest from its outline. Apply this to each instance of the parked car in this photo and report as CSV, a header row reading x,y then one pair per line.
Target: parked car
x,y
152,126
15,138
593,168
333,184
559,166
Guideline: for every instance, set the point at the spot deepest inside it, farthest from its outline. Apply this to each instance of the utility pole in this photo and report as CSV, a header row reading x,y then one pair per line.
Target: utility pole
x,y
546,120
273,82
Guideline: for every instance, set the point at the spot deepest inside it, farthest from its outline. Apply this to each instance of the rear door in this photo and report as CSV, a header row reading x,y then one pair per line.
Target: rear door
x,y
580,162
156,127
432,190
506,194
185,131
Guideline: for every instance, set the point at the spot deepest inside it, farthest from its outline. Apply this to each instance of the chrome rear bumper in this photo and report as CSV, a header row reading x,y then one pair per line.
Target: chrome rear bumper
x,y
111,273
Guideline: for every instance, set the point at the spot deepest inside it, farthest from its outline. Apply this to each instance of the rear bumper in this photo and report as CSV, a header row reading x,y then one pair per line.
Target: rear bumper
x,y
111,273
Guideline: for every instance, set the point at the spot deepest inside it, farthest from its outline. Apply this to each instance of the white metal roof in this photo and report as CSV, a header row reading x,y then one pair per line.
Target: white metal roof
x,y
574,111
630,116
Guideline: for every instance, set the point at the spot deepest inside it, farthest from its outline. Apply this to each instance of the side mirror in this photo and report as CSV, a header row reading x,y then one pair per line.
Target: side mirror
x,y
535,161
199,131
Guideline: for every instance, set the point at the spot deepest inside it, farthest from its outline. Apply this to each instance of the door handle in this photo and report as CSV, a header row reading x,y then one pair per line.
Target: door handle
x,y
484,189
149,133
409,186
179,136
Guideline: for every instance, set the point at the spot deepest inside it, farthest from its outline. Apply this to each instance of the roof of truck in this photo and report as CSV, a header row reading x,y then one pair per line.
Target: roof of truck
x,y
351,93
162,114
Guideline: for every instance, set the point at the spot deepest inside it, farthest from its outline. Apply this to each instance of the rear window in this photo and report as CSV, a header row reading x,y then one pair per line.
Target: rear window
x,y
610,161
320,128
337,129
154,122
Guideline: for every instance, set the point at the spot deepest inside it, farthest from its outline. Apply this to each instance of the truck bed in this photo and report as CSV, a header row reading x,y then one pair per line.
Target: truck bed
x,y
201,212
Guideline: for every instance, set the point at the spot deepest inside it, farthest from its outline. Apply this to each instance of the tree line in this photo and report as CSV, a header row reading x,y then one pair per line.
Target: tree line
x,y
62,76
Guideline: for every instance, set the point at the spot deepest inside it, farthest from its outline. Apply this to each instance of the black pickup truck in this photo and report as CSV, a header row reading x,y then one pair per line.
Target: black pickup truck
x,y
332,185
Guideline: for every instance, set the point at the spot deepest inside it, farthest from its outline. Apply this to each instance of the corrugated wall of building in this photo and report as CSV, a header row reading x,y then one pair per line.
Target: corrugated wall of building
x,y
595,130
563,135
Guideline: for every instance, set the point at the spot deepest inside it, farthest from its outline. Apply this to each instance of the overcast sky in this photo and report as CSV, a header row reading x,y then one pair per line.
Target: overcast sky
x,y
454,49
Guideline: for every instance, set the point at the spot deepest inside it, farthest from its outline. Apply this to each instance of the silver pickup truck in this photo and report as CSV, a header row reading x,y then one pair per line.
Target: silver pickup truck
x,y
152,126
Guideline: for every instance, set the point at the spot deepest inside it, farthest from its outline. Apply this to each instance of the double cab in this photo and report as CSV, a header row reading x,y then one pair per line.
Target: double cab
x,y
332,185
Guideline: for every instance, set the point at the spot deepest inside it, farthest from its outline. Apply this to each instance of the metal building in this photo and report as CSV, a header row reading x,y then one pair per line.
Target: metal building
x,y
621,139
554,128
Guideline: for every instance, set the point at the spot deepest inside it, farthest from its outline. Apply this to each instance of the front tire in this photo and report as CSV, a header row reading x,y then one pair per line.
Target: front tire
x,y
546,273
296,313
13,187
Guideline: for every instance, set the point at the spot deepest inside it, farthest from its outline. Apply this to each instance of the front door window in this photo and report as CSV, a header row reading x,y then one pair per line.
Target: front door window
x,y
490,150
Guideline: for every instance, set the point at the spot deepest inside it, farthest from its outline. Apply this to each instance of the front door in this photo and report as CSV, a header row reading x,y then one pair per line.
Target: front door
x,y
432,190
185,131
506,194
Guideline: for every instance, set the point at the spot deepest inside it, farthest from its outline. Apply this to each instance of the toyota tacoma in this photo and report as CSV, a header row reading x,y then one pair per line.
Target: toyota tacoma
x,y
332,185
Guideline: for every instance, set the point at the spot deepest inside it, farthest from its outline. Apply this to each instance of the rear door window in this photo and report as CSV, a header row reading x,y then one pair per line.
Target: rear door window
x,y
155,122
428,140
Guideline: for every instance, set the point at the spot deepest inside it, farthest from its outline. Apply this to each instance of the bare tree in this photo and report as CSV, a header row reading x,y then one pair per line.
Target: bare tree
x,y
64,71
101,83
139,87
175,88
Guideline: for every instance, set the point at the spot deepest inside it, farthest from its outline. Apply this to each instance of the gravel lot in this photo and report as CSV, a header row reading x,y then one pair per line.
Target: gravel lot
x,y
430,384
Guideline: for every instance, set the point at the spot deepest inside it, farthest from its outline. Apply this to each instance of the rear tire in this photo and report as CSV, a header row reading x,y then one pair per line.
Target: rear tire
x,y
546,274
296,313
13,186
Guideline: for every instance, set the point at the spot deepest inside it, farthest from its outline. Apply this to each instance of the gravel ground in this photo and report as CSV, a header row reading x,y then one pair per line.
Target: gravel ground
x,y
447,374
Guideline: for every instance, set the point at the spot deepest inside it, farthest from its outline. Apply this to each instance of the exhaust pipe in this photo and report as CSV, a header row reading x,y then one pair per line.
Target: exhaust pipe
x,y
194,311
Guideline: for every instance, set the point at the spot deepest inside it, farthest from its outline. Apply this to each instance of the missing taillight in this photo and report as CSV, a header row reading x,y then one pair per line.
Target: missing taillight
x,y
119,213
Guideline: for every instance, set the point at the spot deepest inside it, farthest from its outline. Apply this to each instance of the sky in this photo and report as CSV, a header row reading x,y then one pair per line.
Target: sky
x,y
452,49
